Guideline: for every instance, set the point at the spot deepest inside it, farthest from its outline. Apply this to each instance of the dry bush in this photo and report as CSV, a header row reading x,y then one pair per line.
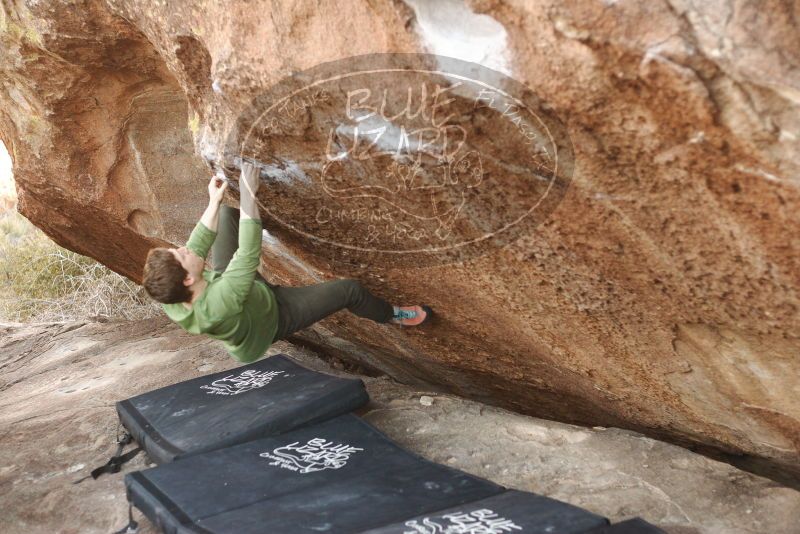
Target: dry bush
x,y
42,281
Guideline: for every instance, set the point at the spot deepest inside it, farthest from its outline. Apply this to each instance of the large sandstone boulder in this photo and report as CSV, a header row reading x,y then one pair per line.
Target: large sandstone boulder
x,y
660,294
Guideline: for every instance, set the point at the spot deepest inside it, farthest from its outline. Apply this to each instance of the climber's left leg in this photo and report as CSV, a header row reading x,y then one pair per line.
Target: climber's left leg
x,y
227,241
300,307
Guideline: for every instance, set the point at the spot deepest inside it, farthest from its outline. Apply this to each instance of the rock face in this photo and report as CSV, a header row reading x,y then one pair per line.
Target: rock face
x,y
660,295
60,383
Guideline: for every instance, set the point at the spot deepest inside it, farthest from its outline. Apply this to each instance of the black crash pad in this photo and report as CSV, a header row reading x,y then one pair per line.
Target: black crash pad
x,y
636,525
266,398
511,511
339,476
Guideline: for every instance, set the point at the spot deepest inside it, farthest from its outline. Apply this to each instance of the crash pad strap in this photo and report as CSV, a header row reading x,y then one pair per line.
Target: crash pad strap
x,y
116,461
132,527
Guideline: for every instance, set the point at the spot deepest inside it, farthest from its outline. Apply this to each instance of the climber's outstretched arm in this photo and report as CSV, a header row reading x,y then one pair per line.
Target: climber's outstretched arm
x,y
216,190
228,295
205,231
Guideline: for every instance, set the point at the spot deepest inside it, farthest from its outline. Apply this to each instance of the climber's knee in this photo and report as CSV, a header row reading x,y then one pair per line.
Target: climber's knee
x,y
352,289
351,285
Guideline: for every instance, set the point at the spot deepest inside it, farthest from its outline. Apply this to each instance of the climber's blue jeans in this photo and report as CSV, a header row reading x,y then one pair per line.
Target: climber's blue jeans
x,y
300,307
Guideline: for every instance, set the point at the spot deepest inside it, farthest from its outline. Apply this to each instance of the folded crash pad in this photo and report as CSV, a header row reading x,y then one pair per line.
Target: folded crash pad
x,y
266,398
339,476
511,511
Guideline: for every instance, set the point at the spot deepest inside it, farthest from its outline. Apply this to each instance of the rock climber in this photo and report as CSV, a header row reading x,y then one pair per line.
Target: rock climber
x,y
231,301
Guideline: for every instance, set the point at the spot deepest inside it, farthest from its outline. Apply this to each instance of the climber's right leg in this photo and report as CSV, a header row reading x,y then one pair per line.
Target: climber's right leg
x,y
300,307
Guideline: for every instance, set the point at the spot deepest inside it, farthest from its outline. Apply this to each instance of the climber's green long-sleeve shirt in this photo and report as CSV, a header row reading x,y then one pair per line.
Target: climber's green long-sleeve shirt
x,y
235,307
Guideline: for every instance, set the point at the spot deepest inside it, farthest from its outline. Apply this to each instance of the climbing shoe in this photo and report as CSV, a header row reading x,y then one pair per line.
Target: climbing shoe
x,y
411,315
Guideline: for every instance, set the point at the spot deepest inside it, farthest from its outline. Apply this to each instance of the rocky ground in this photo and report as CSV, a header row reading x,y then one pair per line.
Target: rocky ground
x,y
59,383
658,292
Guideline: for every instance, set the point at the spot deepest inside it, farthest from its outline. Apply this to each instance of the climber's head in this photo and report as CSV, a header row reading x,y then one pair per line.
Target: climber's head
x,y
170,272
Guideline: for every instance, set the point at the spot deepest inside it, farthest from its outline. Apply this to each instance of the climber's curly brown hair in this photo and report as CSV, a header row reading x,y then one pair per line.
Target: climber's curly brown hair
x,y
163,277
